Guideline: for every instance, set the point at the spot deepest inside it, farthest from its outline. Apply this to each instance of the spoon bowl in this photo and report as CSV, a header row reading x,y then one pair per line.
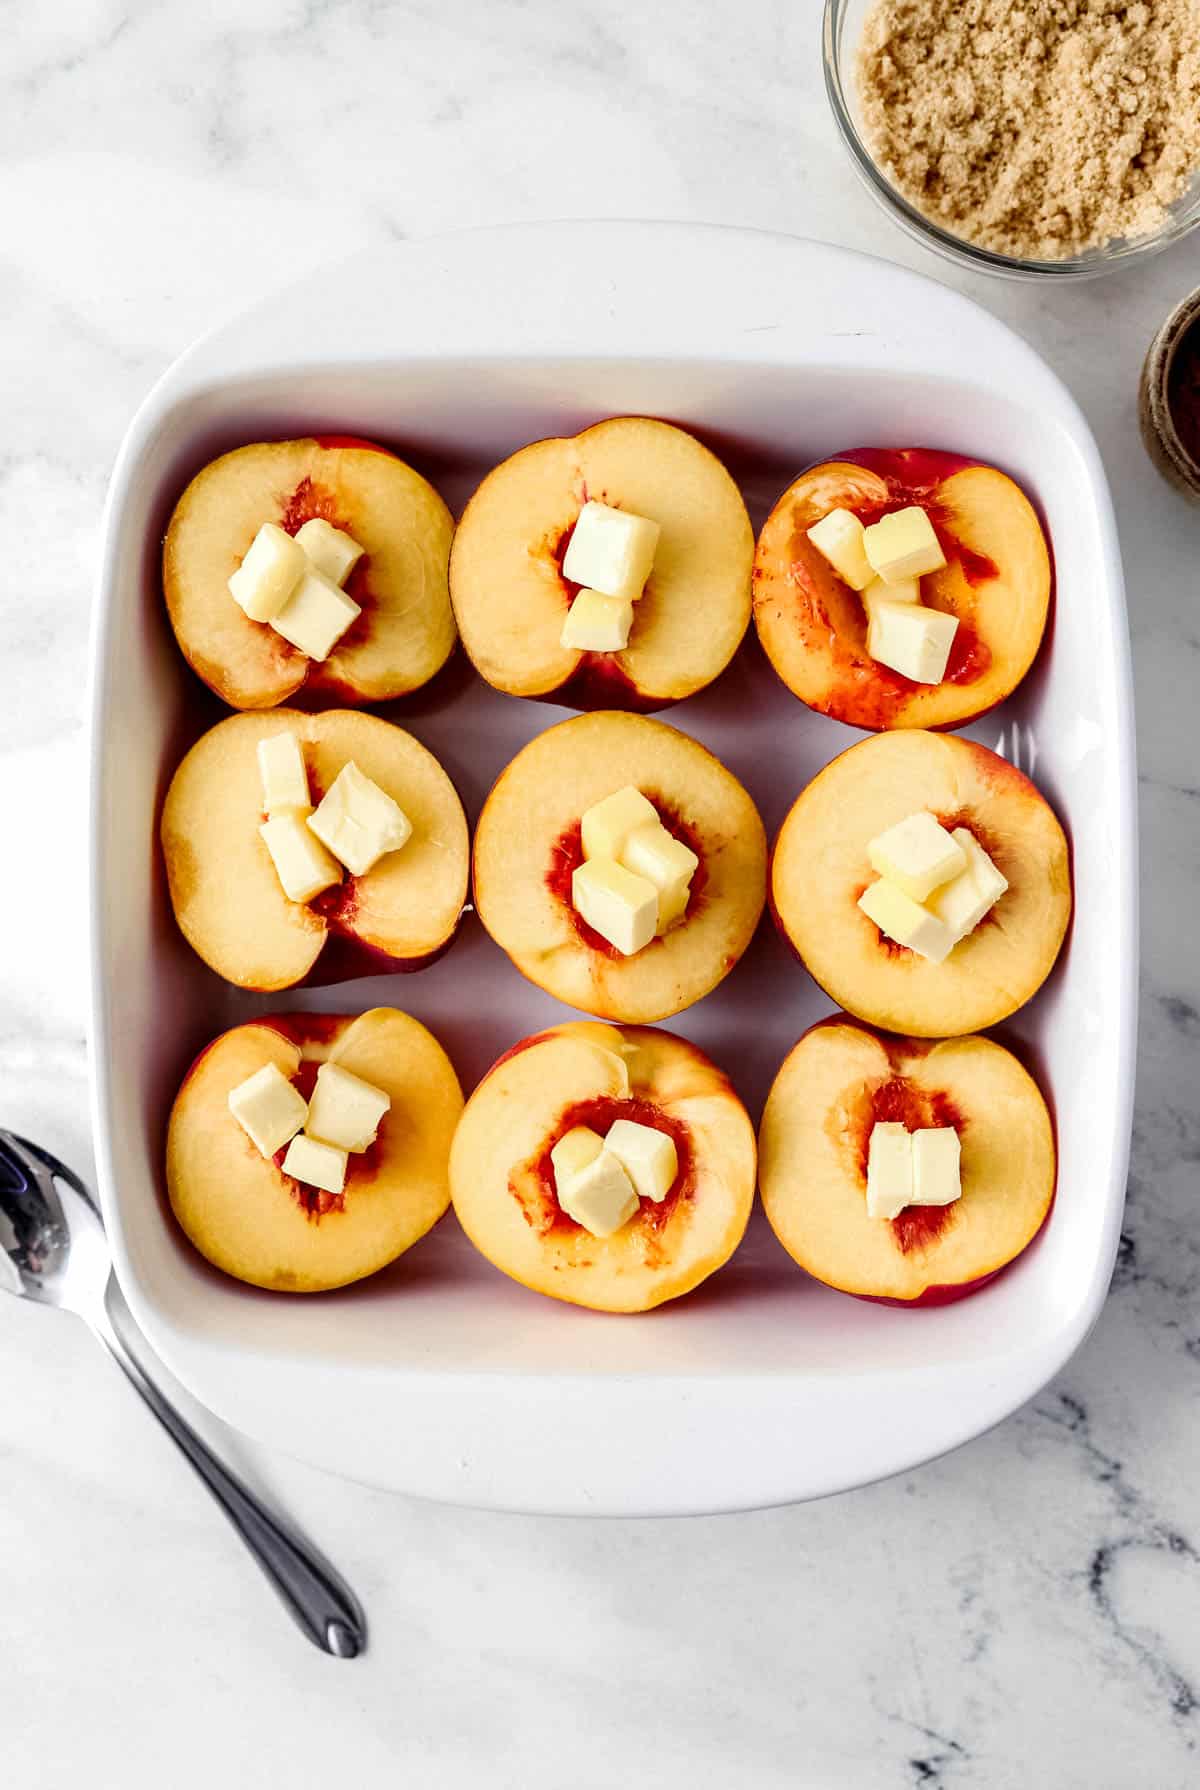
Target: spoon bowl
x,y
52,1240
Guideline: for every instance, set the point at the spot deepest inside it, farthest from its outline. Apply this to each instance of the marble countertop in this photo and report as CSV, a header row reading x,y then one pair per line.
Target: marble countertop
x,y
1022,1612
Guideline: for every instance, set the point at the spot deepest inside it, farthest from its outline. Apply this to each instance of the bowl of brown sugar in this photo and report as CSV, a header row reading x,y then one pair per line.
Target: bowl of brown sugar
x,y
1054,138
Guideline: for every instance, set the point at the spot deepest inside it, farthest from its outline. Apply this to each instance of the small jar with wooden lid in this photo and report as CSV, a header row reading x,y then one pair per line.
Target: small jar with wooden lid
x,y
1169,399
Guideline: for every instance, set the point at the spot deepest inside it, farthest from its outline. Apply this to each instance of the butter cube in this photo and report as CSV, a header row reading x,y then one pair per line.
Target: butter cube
x,y
600,1197
301,862
330,550
358,821
611,551
889,1171
905,590
903,545
316,615
345,1110
597,624
917,854
874,599
284,778
963,903
647,1155
838,537
269,573
607,825
621,907
911,639
572,1153
321,1165
268,1108
651,851
936,1167
672,906
906,922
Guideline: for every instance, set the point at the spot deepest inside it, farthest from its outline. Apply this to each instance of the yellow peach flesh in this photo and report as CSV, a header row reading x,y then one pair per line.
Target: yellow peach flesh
x,y
538,802
506,580
812,1152
498,1179
252,1221
406,632
820,867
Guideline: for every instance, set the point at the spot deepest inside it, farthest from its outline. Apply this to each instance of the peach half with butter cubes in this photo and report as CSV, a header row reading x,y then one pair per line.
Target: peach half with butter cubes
x,y
306,1150
609,569
310,847
904,1170
608,1167
924,882
620,866
902,587
317,566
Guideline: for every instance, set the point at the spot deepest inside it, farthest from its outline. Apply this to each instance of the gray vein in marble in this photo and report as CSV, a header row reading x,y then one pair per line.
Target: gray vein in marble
x,y
931,1765
1141,1527
81,57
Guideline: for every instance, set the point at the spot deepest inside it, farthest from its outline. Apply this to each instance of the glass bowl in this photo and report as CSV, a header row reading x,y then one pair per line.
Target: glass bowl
x,y
1164,443
841,33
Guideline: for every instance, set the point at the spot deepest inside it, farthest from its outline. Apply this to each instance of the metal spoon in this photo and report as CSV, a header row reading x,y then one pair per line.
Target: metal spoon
x,y
53,1250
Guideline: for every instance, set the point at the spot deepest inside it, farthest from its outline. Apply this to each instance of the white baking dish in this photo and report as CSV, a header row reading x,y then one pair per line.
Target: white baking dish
x,y
439,1376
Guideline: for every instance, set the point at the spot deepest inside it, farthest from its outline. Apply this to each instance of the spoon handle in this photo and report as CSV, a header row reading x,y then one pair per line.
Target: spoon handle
x,y
319,1602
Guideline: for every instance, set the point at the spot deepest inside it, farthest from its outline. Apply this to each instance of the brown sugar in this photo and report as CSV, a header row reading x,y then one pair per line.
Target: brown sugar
x,y
1036,130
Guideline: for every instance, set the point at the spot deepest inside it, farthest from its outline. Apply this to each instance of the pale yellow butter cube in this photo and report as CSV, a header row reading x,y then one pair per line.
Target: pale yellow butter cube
x,y
838,538
316,615
877,596
963,903
321,1165
331,550
268,1108
358,821
906,922
672,906
611,551
597,624
572,1153
600,1197
281,770
301,862
606,825
270,571
911,639
647,1155
651,851
905,590
937,1177
903,545
917,854
345,1110
621,907
889,1171
874,598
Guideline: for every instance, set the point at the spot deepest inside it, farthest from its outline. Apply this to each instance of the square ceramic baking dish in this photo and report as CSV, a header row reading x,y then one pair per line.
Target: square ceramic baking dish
x,y
439,1376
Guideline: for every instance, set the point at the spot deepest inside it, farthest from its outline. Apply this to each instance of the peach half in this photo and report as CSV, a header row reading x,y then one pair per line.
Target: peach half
x,y
583,1073
510,596
835,1085
996,581
250,1219
406,630
820,868
227,897
528,843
